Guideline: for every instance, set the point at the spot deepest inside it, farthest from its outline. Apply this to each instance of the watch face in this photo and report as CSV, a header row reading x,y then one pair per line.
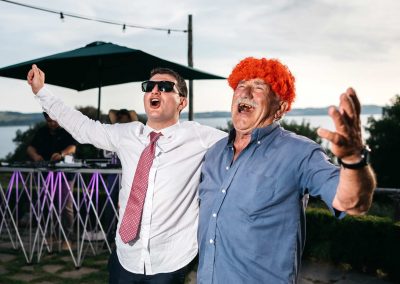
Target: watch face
x,y
365,154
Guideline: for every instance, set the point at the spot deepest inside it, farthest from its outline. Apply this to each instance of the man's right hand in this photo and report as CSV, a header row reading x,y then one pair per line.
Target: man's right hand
x,y
35,79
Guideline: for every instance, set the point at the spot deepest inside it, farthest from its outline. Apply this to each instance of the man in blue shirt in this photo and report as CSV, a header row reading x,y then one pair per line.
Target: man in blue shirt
x,y
254,182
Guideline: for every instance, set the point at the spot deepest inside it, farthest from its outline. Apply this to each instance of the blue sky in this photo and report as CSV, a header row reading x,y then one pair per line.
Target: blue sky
x,y
328,45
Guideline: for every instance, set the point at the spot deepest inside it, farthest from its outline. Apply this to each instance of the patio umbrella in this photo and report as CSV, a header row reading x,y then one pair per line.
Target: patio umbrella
x,y
100,64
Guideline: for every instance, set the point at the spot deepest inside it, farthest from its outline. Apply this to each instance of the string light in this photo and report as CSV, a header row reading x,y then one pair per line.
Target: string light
x,y
124,25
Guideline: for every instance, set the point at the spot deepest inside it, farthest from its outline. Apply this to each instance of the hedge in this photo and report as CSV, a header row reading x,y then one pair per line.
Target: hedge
x,y
367,243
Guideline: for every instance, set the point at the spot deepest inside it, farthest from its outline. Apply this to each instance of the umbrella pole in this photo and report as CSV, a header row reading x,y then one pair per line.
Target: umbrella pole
x,y
98,103
190,63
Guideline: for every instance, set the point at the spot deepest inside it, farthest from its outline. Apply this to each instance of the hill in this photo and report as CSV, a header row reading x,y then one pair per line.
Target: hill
x,y
12,118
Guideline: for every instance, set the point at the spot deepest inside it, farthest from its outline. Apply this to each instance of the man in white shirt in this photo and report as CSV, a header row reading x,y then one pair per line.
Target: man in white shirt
x,y
166,242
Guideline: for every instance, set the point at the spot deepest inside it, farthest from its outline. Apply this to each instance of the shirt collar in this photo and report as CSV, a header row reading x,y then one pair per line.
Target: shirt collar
x,y
257,134
166,132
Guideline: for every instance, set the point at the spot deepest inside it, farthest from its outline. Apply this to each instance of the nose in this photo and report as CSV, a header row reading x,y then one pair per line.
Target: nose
x,y
247,91
155,89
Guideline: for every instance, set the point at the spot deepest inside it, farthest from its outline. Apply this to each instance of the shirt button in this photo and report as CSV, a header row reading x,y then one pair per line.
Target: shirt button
x,y
223,191
211,241
214,215
258,142
227,168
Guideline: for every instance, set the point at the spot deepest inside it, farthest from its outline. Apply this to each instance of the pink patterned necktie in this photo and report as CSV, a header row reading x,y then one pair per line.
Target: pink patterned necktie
x,y
133,211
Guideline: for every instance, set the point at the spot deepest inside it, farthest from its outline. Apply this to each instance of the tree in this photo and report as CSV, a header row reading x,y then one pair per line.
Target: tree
x,y
303,129
384,141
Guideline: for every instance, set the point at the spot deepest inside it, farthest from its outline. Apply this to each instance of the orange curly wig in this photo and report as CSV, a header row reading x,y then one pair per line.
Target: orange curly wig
x,y
272,71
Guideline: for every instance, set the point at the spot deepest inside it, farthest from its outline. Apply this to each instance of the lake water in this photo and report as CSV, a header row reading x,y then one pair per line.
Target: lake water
x,y
8,133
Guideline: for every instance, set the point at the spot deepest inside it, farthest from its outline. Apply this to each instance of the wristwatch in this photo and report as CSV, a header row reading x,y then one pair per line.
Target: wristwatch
x,y
362,163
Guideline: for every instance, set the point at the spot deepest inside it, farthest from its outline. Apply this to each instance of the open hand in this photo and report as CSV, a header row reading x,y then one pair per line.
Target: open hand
x,y
346,139
35,79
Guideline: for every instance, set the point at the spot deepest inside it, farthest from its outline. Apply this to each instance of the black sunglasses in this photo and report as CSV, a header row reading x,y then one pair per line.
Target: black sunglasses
x,y
163,86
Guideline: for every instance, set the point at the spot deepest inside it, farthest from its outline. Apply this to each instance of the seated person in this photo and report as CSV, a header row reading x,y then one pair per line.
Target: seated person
x,y
51,142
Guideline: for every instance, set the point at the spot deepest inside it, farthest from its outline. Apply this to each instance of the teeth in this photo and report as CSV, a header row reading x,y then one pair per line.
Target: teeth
x,y
244,107
154,102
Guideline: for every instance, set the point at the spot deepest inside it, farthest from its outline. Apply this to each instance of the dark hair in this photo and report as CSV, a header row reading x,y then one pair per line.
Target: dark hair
x,y
181,84
46,116
123,112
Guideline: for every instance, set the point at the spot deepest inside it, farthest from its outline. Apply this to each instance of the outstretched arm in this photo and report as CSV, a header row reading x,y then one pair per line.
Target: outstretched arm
x,y
82,128
356,186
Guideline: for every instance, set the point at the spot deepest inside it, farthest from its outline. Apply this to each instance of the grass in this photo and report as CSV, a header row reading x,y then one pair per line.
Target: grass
x,y
96,266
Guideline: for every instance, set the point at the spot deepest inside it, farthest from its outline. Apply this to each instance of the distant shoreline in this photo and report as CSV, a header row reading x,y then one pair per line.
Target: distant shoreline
x,y
8,118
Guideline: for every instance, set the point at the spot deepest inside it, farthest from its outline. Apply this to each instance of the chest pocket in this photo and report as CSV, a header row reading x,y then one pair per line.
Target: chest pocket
x,y
256,193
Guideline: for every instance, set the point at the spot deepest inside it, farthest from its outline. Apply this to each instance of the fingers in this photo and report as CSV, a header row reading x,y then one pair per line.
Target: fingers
x,y
29,77
33,74
333,137
356,102
37,72
349,105
338,120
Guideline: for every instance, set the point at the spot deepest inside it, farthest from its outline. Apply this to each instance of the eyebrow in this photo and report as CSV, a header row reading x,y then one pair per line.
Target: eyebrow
x,y
260,82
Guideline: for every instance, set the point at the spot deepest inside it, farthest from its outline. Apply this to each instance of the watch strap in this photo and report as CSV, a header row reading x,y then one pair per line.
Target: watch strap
x,y
361,164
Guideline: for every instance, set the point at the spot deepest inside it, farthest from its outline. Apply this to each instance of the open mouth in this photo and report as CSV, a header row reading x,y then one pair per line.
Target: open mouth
x,y
154,102
243,107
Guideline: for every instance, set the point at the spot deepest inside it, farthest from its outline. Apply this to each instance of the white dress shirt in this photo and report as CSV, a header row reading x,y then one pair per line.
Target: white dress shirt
x,y
168,233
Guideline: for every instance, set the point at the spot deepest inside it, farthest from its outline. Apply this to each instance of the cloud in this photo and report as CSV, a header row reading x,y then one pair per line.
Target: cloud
x,y
328,44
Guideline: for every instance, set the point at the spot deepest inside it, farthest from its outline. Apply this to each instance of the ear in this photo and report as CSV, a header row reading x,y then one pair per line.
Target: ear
x,y
182,103
283,106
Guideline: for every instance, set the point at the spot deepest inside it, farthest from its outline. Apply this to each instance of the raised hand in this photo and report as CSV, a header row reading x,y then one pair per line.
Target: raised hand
x,y
346,141
36,79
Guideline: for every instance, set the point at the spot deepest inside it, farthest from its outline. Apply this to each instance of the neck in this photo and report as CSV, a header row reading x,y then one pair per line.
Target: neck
x,y
241,142
160,125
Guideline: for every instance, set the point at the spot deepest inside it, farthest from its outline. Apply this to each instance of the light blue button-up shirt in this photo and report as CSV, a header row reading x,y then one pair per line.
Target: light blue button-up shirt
x,y
252,214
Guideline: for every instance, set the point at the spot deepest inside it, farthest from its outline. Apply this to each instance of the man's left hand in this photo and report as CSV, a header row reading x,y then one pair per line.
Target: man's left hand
x,y
346,139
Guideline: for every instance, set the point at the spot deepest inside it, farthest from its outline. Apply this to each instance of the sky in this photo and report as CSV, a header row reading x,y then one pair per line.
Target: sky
x,y
328,45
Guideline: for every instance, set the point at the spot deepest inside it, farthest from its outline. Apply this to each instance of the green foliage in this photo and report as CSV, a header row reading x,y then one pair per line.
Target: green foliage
x,y
367,243
303,129
384,141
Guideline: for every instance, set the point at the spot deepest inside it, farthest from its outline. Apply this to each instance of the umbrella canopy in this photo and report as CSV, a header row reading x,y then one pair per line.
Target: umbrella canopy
x,y
100,64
